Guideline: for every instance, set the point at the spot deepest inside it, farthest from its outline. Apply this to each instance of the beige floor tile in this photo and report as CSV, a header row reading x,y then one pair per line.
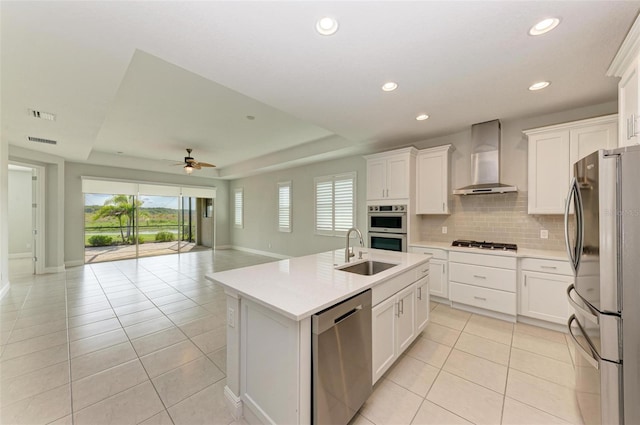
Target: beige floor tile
x,y
466,399
126,300
484,348
33,345
449,317
188,315
140,316
67,420
478,370
358,419
132,308
219,358
186,380
211,341
190,412
88,308
429,352
543,367
148,327
33,383
432,414
33,331
156,341
412,374
554,336
572,349
98,342
201,325
441,334
542,346
391,404
493,329
160,291
93,388
85,319
161,418
31,362
177,306
171,357
544,395
43,408
516,413
91,329
97,361
169,299
129,407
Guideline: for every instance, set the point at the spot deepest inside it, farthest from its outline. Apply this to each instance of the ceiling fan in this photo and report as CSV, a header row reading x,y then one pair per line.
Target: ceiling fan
x,y
190,163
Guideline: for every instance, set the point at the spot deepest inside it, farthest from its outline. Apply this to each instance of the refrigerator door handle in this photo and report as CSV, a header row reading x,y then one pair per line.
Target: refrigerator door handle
x,y
585,312
574,252
592,358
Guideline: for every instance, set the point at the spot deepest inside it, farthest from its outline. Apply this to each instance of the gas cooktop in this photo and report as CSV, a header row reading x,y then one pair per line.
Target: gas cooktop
x,y
485,245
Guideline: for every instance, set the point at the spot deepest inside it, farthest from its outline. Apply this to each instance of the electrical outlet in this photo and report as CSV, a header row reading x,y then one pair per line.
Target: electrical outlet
x,y
231,321
444,229
544,234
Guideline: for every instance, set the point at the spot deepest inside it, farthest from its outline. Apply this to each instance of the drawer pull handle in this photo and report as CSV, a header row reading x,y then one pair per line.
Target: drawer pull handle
x,y
420,293
425,270
480,298
479,276
548,267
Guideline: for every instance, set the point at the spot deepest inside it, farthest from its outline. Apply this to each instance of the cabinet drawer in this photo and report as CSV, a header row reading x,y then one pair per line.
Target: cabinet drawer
x,y
490,299
491,260
390,287
439,254
486,277
422,271
546,266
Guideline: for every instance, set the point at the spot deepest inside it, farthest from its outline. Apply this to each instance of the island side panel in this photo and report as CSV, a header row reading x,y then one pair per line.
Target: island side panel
x,y
232,389
270,366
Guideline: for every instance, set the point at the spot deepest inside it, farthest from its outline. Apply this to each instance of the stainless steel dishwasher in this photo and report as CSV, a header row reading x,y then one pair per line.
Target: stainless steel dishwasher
x,y
341,360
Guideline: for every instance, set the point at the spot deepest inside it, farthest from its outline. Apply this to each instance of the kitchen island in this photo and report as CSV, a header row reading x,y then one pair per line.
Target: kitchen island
x,y
269,309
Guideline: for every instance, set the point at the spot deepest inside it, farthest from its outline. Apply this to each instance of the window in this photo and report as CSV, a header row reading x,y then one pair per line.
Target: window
x,y
284,207
335,204
238,205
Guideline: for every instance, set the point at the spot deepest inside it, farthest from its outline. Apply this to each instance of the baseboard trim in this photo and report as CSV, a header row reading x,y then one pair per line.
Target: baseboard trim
x,y
4,290
484,312
74,263
234,403
20,255
223,247
544,324
55,269
259,252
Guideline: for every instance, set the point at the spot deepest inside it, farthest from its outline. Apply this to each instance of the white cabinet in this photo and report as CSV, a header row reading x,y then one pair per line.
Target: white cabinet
x,y
398,319
438,277
543,287
625,66
432,186
389,174
552,152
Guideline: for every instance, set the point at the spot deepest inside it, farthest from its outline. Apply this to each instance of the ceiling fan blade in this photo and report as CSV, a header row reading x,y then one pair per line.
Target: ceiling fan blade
x,y
205,164
196,166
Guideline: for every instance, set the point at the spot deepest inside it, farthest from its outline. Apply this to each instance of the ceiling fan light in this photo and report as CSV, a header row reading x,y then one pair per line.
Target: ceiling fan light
x,y
188,168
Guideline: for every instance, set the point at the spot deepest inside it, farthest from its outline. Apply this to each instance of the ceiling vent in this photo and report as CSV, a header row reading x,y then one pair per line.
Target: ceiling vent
x,y
40,140
42,115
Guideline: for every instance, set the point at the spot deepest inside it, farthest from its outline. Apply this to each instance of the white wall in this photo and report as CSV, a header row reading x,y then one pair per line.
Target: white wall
x,y
260,208
74,201
20,214
4,222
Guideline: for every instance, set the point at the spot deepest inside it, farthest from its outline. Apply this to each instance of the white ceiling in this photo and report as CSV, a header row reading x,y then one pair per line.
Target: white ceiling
x,y
150,79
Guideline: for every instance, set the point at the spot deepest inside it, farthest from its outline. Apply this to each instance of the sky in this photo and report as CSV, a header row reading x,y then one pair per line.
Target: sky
x,y
148,201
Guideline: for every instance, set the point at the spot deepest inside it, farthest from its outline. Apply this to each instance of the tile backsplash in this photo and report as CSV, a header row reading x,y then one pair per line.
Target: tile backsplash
x,y
500,217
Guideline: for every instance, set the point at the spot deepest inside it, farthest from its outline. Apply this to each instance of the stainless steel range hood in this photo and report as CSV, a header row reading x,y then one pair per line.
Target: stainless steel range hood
x,y
485,161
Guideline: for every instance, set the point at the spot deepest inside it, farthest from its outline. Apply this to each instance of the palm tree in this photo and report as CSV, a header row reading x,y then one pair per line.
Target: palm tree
x,y
120,207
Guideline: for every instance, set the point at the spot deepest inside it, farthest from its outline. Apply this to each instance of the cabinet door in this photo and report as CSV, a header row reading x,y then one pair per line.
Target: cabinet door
x,y
549,174
586,140
543,296
432,185
398,177
376,178
438,278
383,328
406,318
628,107
422,304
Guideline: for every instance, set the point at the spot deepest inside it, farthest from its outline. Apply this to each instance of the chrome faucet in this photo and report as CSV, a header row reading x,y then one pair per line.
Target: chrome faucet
x,y
347,252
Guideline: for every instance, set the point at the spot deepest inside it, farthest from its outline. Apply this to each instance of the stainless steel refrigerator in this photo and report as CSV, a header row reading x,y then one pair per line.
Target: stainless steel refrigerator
x,y
602,232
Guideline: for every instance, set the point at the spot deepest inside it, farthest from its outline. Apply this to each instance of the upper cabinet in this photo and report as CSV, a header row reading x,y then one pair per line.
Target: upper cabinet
x,y
625,66
552,152
432,188
390,174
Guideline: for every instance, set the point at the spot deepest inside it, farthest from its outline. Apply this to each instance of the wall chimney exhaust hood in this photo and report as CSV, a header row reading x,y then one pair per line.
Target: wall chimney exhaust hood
x,y
485,161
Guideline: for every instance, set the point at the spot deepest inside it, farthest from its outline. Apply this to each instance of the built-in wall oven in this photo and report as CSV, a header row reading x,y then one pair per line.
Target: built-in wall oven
x,y
387,227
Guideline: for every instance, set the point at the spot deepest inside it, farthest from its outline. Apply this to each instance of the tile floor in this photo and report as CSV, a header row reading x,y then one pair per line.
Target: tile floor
x,y
144,342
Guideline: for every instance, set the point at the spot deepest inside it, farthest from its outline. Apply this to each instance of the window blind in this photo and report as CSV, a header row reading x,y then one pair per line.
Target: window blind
x,y
335,204
238,203
284,207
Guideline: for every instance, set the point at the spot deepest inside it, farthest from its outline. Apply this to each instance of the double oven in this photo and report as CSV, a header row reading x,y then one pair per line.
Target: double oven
x,y
387,227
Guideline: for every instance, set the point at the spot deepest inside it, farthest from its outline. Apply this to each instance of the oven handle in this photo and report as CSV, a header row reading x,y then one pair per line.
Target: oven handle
x,y
587,313
592,358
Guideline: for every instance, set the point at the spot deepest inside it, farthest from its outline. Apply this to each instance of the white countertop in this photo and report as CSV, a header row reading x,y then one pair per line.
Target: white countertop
x,y
299,287
521,253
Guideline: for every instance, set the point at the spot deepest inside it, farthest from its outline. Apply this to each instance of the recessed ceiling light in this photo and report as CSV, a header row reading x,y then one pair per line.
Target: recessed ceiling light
x,y
544,26
327,26
422,117
539,86
390,86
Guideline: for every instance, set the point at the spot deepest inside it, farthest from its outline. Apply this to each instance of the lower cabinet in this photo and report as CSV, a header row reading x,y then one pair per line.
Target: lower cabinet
x,y
438,279
543,296
396,322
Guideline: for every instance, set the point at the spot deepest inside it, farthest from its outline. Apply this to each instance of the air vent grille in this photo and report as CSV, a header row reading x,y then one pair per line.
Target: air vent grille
x,y
41,140
42,115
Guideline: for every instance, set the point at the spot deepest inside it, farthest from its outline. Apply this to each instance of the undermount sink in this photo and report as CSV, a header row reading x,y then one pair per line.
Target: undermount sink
x,y
367,268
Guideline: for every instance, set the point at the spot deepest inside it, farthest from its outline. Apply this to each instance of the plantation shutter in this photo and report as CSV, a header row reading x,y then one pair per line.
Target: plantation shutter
x,y
335,204
238,208
343,204
284,207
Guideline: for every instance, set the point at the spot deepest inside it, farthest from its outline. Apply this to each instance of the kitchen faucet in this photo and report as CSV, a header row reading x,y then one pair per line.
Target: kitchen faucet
x,y
347,253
